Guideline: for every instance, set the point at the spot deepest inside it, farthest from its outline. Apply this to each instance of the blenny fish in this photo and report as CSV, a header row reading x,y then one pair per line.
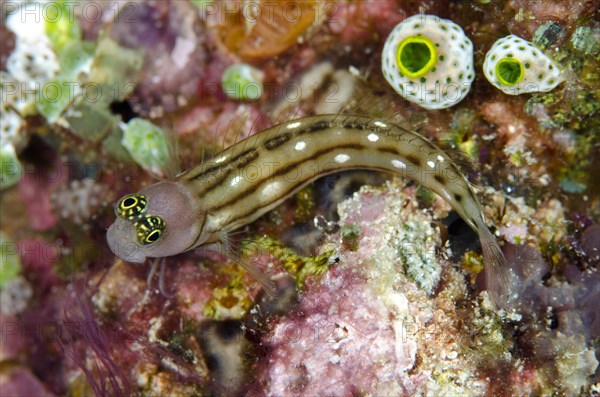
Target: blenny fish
x,y
203,205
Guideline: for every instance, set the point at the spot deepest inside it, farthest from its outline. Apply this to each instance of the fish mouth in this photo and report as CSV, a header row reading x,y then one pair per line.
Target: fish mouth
x,y
120,245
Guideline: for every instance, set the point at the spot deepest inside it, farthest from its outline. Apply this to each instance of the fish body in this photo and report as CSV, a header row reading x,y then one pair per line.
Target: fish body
x,y
205,203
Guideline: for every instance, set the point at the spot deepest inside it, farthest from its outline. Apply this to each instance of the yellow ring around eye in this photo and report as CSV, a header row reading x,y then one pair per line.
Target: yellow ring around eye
x,y
129,202
153,236
131,207
150,229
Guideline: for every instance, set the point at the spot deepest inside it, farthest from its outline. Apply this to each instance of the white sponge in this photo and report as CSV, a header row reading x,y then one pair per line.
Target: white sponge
x,y
429,61
516,66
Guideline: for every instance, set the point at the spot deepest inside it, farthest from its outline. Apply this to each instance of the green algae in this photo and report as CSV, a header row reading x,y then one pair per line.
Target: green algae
x,y
229,301
79,386
10,262
63,30
55,96
350,235
202,3
573,108
110,76
178,343
242,82
60,24
114,69
148,145
548,35
575,362
578,103
460,136
92,76
300,267
98,126
472,262
425,197
587,40
490,342
553,250
574,175
305,204
10,167
75,58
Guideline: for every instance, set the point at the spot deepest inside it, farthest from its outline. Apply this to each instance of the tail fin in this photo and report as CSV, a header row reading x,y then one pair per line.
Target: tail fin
x,y
497,277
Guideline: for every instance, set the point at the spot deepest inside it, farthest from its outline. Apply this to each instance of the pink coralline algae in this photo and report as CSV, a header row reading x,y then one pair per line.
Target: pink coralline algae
x,y
537,13
341,343
174,54
234,120
355,21
35,190
12,344
38,258
132,351
365,327
21,382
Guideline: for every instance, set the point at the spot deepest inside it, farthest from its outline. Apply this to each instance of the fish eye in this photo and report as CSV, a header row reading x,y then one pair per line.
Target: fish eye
x,y
150,229
131,206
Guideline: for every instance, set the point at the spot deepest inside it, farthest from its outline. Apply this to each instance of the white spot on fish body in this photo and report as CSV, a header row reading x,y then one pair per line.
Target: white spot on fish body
x,y
380,124
293,125
271,188
439,157
341,158
398,164
300,145
220,159
431,164
236,179
373,137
